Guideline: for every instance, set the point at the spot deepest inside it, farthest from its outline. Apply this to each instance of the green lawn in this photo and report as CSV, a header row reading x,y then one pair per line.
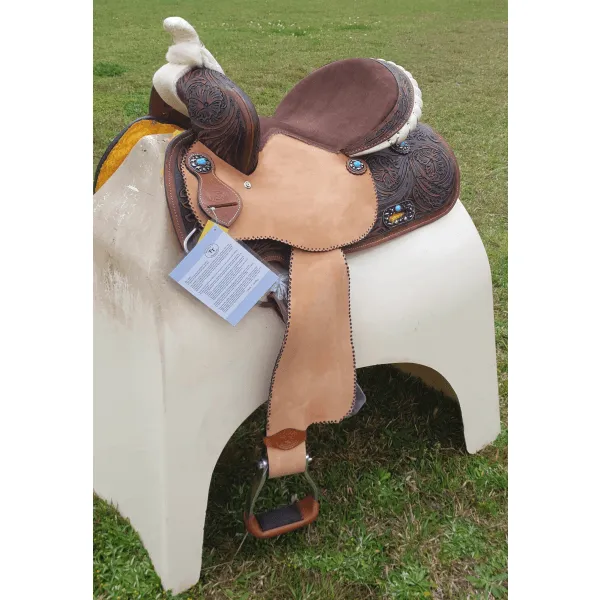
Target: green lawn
x,y
406,512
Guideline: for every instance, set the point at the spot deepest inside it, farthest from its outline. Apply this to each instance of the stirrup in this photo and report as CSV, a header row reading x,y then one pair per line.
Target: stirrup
x,y
285,518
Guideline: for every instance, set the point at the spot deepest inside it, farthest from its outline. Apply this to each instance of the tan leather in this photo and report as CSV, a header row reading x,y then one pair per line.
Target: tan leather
x,y
306,197
300,194
309,509
286,462
314,378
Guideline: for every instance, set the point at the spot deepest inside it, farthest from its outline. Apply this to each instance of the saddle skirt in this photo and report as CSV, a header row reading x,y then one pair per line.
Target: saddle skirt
x,y
343,165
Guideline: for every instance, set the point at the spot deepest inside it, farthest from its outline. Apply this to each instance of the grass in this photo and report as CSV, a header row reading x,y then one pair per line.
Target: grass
x,y
406,512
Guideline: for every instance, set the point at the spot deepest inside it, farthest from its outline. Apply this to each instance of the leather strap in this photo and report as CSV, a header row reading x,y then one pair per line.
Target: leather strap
x,y
286,462
217,200
314,378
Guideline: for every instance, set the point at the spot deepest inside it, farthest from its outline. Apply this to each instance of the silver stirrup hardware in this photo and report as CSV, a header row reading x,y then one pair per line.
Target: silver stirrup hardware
x,y
285,518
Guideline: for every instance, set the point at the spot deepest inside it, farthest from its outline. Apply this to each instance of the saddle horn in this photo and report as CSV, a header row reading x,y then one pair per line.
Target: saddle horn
x,y
192,89
222,116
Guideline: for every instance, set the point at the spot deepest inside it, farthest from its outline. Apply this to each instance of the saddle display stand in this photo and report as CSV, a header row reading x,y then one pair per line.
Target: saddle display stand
x,y
354,202
173,381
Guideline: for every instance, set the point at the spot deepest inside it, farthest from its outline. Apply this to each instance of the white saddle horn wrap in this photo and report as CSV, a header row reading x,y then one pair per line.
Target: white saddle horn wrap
x,y
186,52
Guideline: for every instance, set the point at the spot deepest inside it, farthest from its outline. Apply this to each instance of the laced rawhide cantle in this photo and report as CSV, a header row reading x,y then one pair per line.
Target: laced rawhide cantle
x,y
342,165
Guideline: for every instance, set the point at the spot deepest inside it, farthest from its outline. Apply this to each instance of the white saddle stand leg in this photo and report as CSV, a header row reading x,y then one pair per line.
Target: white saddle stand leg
x,y
173,381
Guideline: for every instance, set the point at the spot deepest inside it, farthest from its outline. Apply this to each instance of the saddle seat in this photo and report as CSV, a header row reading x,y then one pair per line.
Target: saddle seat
x,y
343,105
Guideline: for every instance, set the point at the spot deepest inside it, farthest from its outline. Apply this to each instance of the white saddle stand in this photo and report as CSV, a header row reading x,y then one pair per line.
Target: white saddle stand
x,y
173,381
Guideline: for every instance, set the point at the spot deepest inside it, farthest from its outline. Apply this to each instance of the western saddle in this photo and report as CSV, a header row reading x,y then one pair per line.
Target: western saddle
x,y
342,165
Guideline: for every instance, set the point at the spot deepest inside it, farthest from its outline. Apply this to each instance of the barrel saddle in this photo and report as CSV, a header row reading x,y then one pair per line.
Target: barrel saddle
x,y
341,166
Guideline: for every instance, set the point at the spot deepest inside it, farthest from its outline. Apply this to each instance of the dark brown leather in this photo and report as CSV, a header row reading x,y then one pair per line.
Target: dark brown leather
x,y
342,104
182,215
425,181
222,116
394,120
309,509
161,111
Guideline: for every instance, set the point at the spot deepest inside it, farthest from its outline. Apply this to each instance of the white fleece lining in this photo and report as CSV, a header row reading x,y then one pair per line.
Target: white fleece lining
x,y
165,82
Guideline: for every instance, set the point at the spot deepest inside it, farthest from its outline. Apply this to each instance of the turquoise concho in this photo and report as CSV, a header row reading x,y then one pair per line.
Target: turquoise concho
x,y
200,163
398,214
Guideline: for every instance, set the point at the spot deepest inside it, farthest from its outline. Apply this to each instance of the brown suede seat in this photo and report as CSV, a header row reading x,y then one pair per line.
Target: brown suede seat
x,y
340,105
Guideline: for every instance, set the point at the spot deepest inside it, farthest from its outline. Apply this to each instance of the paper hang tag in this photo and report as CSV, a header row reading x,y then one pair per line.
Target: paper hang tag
x,y
224,275
208,227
